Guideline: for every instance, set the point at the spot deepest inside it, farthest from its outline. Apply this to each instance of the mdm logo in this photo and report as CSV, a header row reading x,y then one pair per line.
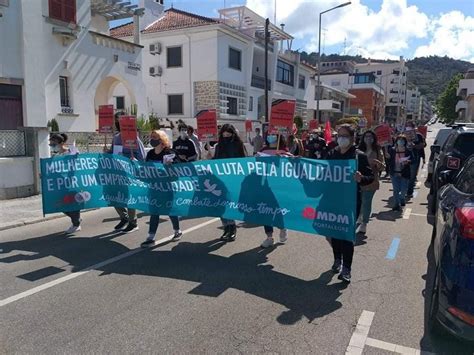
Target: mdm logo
x,y
313,214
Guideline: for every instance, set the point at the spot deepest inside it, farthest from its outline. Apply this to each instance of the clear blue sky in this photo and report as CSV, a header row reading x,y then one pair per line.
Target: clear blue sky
x,y
376,28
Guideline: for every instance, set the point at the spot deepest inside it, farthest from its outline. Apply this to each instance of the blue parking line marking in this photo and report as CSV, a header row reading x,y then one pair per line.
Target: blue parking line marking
x,y
392,251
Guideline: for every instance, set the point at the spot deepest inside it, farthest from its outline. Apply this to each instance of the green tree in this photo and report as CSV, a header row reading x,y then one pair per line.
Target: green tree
x,y
447,100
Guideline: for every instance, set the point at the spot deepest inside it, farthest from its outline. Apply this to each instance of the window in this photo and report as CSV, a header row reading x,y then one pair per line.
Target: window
x,y
4,2
64,91
465,181
235,59
361,79
250,103
173,57
379,72
119,102
231,105
301,82
63,10
175,104
285,73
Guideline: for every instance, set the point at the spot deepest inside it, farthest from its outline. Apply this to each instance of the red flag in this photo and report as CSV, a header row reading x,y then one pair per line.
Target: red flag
x,y
327,132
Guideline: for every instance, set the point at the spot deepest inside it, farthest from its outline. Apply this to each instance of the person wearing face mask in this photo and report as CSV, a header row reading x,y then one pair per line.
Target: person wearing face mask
x,y
417,147
229,146
57,143
128,216
343,250
161,153
399,159
275,145
193,136
184,146
368,145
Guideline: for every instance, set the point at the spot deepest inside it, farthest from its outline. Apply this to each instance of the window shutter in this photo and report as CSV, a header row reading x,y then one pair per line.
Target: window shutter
x,y
55,9
69,8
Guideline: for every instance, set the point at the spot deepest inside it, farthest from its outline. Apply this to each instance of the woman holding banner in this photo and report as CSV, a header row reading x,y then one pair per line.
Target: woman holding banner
x,y
274,145
343,250
229,146
57,143
369,145
161,153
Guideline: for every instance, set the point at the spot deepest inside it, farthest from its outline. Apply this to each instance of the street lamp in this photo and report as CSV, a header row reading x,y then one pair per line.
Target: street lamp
x,y
318,84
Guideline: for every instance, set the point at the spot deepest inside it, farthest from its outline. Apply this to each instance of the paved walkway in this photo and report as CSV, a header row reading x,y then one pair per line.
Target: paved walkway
x,y
21,211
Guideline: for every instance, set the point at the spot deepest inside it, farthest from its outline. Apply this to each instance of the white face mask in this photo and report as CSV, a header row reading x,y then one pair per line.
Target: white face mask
x,y
343,142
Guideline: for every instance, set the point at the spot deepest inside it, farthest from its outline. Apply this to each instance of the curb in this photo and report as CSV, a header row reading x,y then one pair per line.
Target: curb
x,y
38,220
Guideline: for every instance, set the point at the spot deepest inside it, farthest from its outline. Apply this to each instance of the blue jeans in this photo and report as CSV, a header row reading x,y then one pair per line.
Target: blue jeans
x,y
400,186
413,172
155,221
366,207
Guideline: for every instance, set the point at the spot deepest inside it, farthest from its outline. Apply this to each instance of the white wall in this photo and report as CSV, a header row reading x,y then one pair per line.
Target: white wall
x,y
227,74
10,42
200,46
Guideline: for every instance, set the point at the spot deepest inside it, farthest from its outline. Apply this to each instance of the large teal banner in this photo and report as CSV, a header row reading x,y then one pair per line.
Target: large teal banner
x,y
313,196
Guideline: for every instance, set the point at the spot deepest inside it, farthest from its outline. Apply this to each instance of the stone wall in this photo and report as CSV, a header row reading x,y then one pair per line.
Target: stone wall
x,y
206,95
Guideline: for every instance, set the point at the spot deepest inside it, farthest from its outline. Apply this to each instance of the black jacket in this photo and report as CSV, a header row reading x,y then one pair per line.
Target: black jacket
x,y
391,162
229,149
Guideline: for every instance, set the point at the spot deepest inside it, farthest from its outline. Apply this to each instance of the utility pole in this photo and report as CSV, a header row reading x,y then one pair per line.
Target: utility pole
x,y
318,84
267,38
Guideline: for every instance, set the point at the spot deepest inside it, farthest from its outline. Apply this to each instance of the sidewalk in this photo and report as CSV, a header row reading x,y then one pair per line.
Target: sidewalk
x,y
21,211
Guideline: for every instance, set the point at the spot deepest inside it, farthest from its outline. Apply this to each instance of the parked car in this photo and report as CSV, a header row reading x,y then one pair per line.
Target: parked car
x,y
452,298
458,146
438,143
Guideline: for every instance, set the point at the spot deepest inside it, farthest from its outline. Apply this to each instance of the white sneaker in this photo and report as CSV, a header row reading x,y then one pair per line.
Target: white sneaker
x,y
268,242
362,228
283,236
73,229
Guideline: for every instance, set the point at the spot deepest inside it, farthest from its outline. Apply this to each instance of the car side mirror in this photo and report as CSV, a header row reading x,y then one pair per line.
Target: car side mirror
x,y
446,177
435,148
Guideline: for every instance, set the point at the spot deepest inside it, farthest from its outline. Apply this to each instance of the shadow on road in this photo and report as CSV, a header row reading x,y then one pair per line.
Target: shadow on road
x,y
245,271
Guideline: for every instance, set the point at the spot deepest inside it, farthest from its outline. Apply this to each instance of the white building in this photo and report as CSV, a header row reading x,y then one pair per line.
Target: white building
x,y
465,106
413,104
192,63
392,77
57,60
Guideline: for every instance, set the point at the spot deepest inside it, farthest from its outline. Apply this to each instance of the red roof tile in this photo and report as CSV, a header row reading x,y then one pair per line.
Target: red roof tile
x,y
173,19
125,30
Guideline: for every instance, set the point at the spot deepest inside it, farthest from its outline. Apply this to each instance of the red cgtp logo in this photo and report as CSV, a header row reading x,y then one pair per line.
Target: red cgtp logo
x,y
313,214
78,197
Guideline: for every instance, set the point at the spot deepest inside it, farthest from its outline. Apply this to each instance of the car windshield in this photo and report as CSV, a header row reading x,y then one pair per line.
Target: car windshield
x,y
442,136
465,144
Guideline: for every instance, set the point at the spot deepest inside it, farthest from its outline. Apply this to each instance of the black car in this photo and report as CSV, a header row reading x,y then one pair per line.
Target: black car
x,y
452,298
438,143
457,148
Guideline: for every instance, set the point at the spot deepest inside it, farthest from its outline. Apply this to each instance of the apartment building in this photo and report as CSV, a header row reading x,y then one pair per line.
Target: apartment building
x,y
192,62
465,106
413,100
392,78
368,99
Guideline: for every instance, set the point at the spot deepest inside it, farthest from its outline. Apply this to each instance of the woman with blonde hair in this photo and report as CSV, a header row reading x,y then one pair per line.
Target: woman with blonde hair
x,y
161,153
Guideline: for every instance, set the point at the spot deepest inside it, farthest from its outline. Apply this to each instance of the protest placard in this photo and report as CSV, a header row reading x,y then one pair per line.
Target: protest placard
x,y
313,124
423,130
248,126
302,194
128,131
282,114
207,125
106,118
384,134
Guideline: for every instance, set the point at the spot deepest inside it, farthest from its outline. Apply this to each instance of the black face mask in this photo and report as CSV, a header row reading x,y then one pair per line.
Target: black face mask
x,y
155,142
226,139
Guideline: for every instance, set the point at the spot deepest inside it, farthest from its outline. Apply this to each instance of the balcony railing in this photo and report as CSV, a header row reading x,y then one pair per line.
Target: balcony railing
x,y
259,82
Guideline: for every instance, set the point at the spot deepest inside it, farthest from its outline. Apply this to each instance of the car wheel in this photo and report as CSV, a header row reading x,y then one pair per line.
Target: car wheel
x,y
433,324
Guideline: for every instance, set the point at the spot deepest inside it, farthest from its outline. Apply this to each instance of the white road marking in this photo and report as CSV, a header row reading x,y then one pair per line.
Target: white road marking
x,y
379,344
406,213
361,332
73,275
422,215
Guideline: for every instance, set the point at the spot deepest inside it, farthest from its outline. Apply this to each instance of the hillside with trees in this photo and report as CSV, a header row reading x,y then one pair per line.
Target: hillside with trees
x,y
431,74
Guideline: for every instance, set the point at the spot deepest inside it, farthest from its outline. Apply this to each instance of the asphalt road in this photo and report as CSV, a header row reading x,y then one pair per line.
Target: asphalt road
x,y
202,296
